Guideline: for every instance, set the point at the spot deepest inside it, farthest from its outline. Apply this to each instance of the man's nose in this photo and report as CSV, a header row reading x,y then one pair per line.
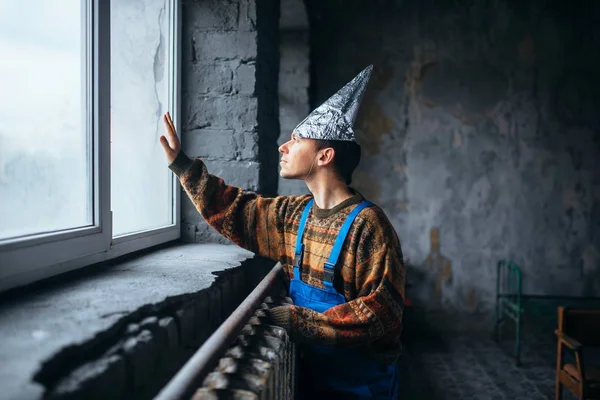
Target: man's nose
x,y
283,148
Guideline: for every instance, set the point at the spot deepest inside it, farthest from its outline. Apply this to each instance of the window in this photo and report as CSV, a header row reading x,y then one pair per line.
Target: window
x,y
83,177
141,195
45,152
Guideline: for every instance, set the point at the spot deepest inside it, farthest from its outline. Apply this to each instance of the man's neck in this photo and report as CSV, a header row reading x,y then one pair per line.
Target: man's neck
x,y
328,192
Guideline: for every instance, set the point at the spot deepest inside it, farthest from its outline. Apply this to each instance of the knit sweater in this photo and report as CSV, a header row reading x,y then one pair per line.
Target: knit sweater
x,y
369,273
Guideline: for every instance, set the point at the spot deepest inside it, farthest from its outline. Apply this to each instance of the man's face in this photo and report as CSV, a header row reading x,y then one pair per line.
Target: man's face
x,y
297,156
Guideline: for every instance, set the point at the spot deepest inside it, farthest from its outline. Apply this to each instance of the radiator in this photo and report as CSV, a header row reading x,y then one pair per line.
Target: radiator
x,y
260,364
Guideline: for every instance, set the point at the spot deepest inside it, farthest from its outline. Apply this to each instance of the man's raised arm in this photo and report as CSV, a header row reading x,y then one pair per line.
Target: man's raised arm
x,y
247,219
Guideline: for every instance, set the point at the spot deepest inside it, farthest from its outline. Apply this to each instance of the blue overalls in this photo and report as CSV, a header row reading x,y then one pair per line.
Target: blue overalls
x,y
330,372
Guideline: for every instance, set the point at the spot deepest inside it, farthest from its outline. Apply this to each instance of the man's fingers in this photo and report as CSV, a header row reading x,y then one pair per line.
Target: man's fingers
x,y
165,144
171,124
170,143
167,119
170,120
170,128
167,124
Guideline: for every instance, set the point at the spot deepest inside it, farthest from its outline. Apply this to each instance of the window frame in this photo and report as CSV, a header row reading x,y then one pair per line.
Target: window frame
x,y
26,260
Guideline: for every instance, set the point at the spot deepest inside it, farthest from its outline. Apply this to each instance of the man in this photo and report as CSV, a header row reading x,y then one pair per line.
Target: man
x,y
339,251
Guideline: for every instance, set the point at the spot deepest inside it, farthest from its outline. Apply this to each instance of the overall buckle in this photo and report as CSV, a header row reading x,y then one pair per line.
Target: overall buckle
x,y
298,256
328,272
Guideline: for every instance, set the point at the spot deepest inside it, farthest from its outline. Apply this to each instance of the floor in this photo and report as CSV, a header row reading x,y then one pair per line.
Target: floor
x,y
467,366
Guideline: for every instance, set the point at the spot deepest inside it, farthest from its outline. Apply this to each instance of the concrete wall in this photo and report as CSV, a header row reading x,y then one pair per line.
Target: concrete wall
x,y
481,120
229,74
294,77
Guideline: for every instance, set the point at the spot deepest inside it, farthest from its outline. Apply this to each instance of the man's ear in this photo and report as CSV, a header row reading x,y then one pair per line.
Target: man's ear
x,y
326,156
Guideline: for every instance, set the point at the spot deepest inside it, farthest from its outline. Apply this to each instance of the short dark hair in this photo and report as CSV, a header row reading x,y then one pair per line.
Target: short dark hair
x,y
346,159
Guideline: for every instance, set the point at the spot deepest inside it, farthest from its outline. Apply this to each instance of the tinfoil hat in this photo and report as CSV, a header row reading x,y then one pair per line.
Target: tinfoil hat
x,y
333,120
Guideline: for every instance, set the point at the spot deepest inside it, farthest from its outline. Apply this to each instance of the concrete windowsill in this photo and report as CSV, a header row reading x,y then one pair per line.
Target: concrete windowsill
x,y
37,325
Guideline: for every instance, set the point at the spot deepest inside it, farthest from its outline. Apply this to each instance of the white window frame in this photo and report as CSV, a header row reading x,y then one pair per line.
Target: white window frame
x,y
23,261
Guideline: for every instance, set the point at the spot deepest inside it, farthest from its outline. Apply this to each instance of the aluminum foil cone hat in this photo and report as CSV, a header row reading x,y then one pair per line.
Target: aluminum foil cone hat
x,y
334,119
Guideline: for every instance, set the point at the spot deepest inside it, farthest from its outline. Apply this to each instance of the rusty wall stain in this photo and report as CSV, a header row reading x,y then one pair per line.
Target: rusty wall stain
x,y
372,121
402,205
439,266
375,124
472,302
402,168
498,115
424,59
456,140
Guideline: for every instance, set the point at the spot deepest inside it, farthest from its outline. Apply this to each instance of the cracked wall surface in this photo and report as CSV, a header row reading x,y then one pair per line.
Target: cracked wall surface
x,y
229,111
480,121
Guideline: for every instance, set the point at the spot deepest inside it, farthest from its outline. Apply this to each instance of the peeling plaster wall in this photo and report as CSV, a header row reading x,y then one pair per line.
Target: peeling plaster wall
x,y
230,52
480,120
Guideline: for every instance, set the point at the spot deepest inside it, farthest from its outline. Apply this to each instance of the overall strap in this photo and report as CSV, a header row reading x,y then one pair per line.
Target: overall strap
x,y
329,266
299,244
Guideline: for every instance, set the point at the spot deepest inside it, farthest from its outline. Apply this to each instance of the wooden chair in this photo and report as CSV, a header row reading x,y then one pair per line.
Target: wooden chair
x,y
578,329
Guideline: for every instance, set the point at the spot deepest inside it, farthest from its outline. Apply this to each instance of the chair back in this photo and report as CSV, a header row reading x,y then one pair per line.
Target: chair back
x,y
581,324
509,279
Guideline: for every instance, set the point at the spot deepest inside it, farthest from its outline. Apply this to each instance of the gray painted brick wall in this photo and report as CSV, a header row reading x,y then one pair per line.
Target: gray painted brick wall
x,y
229,72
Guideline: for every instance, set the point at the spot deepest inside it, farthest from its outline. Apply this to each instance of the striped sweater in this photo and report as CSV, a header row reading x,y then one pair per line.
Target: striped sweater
x,y
370,271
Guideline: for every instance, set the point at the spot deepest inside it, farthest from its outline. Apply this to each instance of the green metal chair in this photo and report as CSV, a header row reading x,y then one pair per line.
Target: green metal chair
x,y
509,286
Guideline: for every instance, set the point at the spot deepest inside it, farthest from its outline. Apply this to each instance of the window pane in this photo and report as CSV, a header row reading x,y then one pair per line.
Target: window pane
x,y
45,159
141,184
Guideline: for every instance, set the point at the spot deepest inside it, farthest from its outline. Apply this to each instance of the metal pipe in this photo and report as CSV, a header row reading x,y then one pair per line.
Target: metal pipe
x,y
203,359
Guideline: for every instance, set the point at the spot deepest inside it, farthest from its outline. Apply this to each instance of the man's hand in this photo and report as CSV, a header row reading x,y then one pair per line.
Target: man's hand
x,y
172,145
281,316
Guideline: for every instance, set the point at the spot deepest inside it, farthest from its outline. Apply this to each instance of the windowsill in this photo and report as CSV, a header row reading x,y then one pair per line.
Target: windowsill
x,y
37,324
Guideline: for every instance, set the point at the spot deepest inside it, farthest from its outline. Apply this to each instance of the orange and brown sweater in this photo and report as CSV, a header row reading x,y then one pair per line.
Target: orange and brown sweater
x,y
370,271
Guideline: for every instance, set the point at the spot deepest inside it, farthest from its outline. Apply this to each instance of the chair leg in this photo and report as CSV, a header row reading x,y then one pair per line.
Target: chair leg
x,y
559,387
497,319
518,339
497,333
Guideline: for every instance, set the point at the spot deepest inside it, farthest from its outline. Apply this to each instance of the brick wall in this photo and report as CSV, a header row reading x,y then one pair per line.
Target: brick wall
x,y
230,66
